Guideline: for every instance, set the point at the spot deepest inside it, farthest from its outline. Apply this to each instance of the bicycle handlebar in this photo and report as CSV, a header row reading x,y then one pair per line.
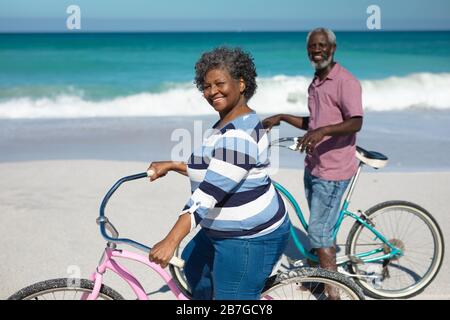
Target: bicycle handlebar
x,y
281,143
105,224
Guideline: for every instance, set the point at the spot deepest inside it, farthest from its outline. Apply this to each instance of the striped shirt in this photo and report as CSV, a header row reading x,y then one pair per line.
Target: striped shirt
x,y
232,194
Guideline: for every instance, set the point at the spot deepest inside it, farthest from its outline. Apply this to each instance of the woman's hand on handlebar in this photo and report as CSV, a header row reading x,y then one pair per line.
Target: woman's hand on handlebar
x,y
159,169
162,252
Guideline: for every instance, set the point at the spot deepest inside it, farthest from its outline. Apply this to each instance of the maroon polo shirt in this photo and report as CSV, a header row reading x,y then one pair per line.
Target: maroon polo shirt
x,y
331,101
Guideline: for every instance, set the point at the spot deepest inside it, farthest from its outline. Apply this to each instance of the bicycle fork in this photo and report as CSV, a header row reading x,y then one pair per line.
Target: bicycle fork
x,y
107,262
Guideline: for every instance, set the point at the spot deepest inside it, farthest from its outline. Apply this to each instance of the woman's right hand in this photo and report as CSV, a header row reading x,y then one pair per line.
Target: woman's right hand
x,y
159,169
162,252
269,122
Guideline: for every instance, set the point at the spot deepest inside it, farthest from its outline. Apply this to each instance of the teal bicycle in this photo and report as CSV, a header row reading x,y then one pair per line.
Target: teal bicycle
x,y
394,249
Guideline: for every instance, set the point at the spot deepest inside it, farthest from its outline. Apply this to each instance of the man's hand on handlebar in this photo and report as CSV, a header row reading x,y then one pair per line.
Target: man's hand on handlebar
x,y
309,141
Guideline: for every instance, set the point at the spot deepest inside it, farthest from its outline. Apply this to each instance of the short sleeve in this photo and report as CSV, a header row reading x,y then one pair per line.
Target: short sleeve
x,y
351,99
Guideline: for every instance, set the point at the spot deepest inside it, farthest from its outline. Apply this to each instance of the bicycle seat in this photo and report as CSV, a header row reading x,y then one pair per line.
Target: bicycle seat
x,y
371,158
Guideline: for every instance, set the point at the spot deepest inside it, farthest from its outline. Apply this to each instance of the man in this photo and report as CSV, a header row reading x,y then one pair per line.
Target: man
x,y
335,106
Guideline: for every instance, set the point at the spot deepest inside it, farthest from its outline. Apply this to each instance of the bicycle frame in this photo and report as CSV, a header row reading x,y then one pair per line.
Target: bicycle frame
x,y
344,212
108,262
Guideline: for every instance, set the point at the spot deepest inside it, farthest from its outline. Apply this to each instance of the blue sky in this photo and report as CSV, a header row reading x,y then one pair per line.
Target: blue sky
x,y
226,15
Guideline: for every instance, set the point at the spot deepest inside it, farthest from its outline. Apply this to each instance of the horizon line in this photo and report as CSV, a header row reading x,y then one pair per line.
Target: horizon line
x,y
212,31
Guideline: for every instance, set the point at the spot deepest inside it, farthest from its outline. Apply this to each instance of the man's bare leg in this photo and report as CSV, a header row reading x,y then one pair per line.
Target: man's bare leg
x,y
327,260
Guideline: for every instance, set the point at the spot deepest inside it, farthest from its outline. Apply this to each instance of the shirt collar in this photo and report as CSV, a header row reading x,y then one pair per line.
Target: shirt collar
x,y
332,75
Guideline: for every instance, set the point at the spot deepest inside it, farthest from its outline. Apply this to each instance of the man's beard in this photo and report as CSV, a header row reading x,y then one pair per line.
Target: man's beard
x,y
323,64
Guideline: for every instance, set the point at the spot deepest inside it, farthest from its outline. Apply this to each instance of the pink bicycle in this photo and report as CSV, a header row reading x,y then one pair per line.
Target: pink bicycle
x,y
296,284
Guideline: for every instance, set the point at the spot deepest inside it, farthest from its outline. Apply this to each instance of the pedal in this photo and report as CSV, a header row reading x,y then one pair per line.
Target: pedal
x,y
298,263
366,277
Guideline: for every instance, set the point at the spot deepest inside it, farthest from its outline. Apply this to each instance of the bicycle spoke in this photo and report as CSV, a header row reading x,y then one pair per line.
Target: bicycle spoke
x,y
406,227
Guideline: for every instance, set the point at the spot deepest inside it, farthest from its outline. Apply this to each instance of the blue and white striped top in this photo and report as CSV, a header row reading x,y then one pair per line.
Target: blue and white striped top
x,y
232,194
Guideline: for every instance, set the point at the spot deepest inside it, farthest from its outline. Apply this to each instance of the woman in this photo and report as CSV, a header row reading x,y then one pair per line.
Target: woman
x,y
244,224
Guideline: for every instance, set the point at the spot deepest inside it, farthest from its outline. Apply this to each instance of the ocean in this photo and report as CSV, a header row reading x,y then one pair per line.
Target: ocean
x,y
120,96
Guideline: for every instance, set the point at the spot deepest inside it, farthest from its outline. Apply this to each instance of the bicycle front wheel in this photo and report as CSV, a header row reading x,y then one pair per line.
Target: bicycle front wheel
x,y
408,227
311,284
64,289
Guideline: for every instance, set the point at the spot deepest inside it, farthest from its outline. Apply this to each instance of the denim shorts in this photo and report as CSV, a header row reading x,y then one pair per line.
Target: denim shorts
x,y
232,268
324,199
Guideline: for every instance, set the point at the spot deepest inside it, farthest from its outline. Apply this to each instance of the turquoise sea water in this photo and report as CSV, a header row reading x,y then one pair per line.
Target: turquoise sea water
x,y
105,66
122,96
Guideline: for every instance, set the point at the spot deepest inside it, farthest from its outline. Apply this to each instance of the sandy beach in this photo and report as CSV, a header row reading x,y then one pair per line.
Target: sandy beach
x,y
48,211
90,94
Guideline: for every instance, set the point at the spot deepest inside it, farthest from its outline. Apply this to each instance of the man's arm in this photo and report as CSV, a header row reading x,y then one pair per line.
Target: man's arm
x,y
349,126
298,122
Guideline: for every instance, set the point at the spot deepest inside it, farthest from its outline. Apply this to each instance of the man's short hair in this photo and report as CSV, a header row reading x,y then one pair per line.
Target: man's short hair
x,y
330,34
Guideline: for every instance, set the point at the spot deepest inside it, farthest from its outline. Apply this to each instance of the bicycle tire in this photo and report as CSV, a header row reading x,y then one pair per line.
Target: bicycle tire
x,y
374,289
177,273
180,281
50,287
308,284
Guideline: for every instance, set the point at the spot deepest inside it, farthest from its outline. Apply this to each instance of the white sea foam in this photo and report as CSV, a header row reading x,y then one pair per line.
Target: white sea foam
x,y
274,95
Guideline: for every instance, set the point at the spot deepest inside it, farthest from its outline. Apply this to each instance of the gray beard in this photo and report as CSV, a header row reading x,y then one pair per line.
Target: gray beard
x,y
323,64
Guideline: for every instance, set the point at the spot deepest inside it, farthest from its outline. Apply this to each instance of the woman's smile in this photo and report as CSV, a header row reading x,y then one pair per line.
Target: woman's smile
x,y
221,91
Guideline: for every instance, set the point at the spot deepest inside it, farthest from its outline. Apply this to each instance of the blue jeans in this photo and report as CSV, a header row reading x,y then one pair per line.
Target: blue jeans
x,y
232,268
324,201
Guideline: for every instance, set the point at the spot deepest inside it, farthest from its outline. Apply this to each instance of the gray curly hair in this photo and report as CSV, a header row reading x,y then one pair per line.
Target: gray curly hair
x,y
236,61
